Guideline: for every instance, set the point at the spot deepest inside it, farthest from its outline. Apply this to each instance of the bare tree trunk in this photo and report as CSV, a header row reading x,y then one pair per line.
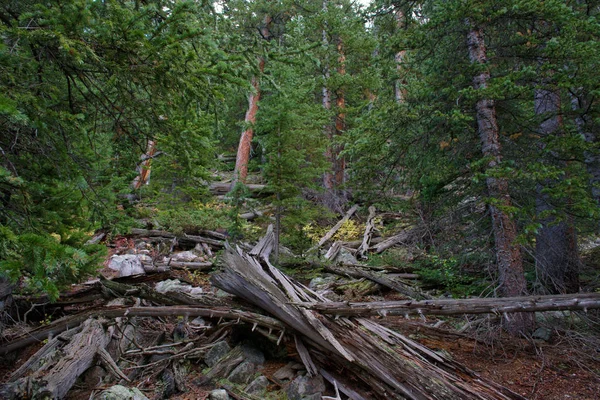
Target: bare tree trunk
x,y
143,177
508,253
556,254
399,91
242,159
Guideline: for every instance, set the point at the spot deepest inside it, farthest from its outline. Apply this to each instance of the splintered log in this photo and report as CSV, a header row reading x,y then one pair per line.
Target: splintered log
x,y
390,364
71,322
364,247
337,226
498,306
377,277
54,379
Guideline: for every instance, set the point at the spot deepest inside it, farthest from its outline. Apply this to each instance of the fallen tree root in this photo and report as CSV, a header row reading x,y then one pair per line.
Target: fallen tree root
x,y
578,301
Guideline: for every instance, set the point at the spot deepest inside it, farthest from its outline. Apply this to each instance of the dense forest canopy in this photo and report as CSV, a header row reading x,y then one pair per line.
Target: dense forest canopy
x,y
442,108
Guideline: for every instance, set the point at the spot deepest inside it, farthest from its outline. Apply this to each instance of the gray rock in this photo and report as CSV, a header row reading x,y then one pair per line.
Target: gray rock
x,y
198,322
315,396
544,334
322,283
285,372
345,257
253,354
305,386
242,373
258,386
218,351
184,256
119,392
218,394
126,265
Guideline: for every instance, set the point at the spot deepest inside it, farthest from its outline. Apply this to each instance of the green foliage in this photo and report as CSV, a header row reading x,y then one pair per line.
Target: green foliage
x,y
45,263
446,274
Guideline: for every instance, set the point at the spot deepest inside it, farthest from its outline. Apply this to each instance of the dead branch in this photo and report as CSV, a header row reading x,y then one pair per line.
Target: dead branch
x,y
337,226
370,226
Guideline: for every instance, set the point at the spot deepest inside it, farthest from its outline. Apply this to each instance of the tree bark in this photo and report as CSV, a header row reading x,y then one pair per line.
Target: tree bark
x,y
143,177
240,172
556,254
508,254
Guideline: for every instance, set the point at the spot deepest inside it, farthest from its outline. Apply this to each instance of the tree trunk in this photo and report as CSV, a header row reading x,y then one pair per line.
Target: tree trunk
x,y
508,253
399,91
242,159
556,254
586,129
240,172
143,177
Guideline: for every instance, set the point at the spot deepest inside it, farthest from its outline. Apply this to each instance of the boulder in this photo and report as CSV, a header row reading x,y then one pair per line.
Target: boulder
x,y
119,392
218,394
305,386
174,285
242,373
126,265
217,352
258,386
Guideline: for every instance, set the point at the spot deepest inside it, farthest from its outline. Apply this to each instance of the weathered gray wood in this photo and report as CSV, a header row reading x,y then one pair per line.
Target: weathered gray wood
x,y
377,277
393,366
181,238
337,226
54,381
499,306
392,241
194,266
370,226
61,325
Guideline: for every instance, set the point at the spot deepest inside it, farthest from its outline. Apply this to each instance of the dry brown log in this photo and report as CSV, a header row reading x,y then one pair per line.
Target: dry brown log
x,y
377,277
393,366
337,226
53,380
73,321
499,306
370,226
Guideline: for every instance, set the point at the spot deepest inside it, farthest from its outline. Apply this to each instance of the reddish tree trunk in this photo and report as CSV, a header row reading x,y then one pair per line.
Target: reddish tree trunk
x,y
243,154
143,177
242,159
508,253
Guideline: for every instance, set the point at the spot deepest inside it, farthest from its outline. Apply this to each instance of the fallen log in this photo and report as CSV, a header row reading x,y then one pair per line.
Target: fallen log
x,y
71,322
392,241
370,226
337,226
377,277
181,238
499,306
54,379
222,188
392,365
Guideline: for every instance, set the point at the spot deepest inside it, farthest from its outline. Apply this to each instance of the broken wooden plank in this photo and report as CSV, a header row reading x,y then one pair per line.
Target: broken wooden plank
x,y
337,226
370,226
566,302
